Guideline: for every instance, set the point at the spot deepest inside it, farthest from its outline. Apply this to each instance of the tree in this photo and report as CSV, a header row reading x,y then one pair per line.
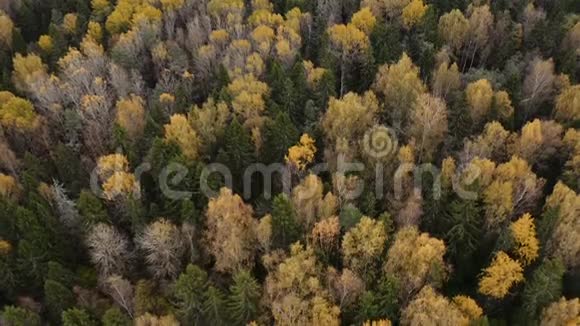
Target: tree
x,y
563,240
543,287
415,259
429,307
236,152
538,85
131,115
363,245
346,288
500,276
180,132
18,114
214,307
453,28
279,135
523,232
561,312
539,142
513,191
229,232
308,201
122,292
148,319
446,79
347,119
244,298
413,13
295,293
428,125
349,44
9,187
77,317
27,69
108,249
325,236
468,307
188,291
17,316
6,26
114,317
58,299
301,155
209,122
400,85
162,244
567,108
479,96
285,226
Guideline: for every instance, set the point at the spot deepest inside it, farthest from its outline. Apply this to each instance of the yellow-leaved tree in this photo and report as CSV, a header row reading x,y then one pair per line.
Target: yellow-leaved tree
x,y
500,276
6,30
568,104
564,241
18,114
9,187
180,132
400,85
523,232
131,116
301,155
363,245
479,95
416,259
431,308
413,13
453,28
562,312
229,232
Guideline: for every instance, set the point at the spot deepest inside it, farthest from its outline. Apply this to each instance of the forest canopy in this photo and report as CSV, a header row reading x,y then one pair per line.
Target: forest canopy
x,y
289,162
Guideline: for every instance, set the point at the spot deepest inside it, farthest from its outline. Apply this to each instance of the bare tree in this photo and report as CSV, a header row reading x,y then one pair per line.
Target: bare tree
x,y
121,291
109,249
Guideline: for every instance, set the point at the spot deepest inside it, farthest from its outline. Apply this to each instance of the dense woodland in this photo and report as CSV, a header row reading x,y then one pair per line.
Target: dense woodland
x,y
99,97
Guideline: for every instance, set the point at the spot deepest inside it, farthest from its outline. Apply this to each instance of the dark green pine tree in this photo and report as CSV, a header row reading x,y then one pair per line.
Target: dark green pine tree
x,y
91,209
236,152
115,317
77,317
543,287
379,302
465,227
244,298
349,216
58,298
301,92
58,273
214,307
17,316
279,135
285,228
188,294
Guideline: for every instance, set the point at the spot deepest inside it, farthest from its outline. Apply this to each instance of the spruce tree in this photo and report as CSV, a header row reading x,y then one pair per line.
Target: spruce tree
x,y
285,228
279,135
188,294
58,298
115,317
214,307
244,298
77,317
236,152
17,316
